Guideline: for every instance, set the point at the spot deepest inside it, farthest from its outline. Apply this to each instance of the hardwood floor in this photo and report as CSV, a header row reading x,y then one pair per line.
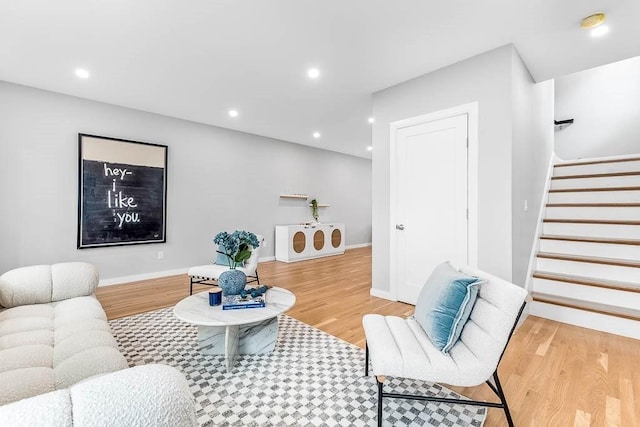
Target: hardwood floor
x,y
553,374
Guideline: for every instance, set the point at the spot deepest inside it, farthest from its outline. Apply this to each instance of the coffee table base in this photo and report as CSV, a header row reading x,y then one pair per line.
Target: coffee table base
x,y
251,338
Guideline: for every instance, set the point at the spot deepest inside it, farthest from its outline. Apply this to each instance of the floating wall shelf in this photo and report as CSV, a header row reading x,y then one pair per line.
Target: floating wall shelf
x,y
294,196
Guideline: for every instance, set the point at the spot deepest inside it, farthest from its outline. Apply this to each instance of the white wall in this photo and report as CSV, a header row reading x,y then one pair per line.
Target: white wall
x,y
605,103
218,179
532,136
484,78
515,136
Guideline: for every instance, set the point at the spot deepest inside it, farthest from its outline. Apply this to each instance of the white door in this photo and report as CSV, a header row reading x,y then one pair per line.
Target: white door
x,y
431,197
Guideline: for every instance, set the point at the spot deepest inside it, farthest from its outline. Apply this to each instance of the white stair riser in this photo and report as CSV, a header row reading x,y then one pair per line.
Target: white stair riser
x,y
597,168
592,230
587,293
618,213
586,319
587,269
613,181
595,197
601,250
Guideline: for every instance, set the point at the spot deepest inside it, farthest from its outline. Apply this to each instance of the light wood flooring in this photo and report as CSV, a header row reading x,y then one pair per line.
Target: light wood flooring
x,y
553,374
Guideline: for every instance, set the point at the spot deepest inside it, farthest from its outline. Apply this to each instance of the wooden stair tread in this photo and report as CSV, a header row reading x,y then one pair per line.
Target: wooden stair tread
x,y
594,205
597,175
591,239
595,162
623,312
587,281
581,190
590,259
591,221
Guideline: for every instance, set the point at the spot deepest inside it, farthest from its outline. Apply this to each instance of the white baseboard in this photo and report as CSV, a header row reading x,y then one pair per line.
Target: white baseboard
x,y
380,294
144,276
358,245
158,274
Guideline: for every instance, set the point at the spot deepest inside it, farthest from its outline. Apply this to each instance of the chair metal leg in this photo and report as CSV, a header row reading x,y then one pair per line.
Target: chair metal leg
x,y
503,398
190,285
257,278
379,402
366,359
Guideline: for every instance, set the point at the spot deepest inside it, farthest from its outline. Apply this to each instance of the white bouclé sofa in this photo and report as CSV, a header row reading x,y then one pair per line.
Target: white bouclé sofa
x,y
142,396
56,345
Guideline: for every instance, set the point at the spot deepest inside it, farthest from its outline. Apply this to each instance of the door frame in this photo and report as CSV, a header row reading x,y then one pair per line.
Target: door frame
x,y
471,110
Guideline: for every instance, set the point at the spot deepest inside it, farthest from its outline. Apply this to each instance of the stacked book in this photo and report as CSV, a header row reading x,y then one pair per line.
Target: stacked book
x,y
236,302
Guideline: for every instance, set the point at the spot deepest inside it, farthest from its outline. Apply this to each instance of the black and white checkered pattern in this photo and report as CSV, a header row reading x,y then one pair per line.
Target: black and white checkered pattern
x,y
310,379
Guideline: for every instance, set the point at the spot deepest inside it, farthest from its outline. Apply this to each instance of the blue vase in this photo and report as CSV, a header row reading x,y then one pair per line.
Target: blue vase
x,y
232,282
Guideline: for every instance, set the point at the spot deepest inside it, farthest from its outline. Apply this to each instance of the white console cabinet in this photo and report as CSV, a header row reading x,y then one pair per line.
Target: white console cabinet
x,y
299,242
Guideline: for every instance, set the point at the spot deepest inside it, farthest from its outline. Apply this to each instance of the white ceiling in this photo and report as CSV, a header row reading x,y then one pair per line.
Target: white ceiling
x,y
196,59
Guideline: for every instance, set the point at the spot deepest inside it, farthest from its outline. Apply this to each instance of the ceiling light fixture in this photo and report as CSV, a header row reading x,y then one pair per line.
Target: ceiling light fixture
x,y
82,73
593,20
233,113
370,148
371,120
313,73
316,135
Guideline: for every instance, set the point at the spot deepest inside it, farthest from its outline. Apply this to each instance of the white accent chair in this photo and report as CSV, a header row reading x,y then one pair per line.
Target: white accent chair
x,y
397,347
209,274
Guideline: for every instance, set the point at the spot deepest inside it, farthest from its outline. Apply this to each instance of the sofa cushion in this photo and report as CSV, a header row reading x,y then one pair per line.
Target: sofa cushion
x,y
66,330
26,356
124,398
39,310
22,383
26,285
53,409
150,395
25,324
87,363
41,336
62,342
73,279
40,284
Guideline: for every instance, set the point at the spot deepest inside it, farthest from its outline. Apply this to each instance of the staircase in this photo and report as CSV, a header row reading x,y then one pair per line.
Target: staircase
x,y
587,270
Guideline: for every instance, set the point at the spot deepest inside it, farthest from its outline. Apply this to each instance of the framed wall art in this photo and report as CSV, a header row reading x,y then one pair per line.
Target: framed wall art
x,y
122,192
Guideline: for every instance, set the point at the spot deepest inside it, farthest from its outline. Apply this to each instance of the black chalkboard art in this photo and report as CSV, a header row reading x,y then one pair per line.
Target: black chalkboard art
x,y
122,192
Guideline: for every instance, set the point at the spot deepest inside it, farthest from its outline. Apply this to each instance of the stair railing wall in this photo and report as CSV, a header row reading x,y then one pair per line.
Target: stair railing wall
x,y
535,246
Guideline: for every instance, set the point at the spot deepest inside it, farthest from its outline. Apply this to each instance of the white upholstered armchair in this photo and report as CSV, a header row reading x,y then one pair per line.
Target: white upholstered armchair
x,y
397,347
209,274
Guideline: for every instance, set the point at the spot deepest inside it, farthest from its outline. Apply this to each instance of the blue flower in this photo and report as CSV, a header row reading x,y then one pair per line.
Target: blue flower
x,y
236,246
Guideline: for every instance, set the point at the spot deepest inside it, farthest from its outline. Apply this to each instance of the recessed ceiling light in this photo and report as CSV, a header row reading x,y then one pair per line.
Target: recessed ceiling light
x,y
371,120
313,73
599,31
82,73
593,20
370,148
233,113
316,135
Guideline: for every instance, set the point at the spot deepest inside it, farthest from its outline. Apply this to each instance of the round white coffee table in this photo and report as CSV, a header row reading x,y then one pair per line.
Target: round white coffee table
x,y
233,332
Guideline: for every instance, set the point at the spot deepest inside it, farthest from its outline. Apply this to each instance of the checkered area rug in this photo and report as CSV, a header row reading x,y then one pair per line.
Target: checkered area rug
x,y
310,379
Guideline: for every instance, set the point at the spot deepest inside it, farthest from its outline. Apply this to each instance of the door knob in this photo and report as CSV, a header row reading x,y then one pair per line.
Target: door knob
x,y
399,226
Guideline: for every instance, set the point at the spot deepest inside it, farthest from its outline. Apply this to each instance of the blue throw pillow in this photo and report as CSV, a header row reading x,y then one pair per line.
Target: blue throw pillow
x,y
444,305
222,259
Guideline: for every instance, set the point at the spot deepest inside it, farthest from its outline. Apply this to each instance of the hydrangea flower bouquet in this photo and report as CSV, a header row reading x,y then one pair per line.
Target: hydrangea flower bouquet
x,y
236,246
